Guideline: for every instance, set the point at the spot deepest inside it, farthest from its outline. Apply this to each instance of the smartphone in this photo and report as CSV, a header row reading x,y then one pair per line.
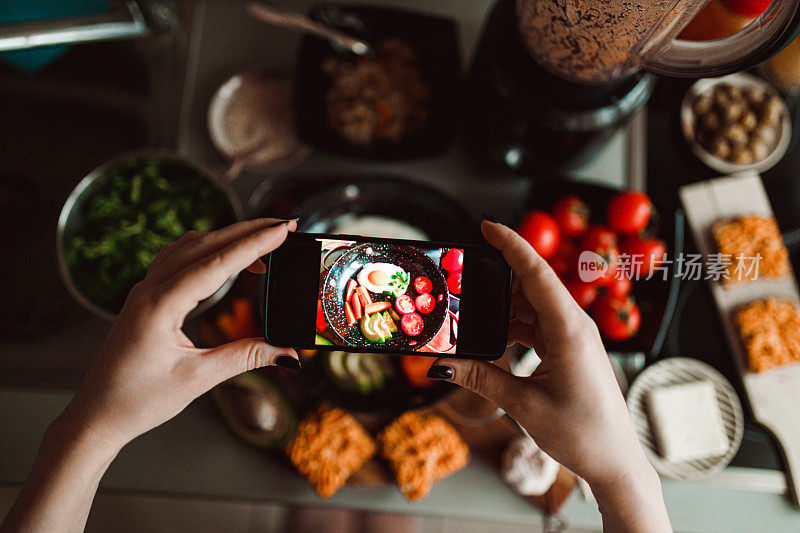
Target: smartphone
x,y
374,295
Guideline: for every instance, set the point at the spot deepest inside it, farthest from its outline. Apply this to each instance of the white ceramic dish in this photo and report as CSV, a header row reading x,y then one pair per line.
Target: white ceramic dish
x,y
250,108
723,166
673,371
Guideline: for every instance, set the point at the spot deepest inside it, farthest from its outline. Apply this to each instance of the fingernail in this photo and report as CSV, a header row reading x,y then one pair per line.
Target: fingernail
x,y
279,223
441,372
490,218
288,362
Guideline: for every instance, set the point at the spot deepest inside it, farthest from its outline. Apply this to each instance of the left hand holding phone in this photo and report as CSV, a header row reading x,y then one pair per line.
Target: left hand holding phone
x,y
147,370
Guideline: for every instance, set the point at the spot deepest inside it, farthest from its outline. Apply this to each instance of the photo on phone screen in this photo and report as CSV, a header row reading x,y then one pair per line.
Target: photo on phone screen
x,y
389,295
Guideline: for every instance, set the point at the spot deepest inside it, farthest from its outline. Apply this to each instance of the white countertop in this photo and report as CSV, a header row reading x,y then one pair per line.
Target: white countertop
x,y
194,455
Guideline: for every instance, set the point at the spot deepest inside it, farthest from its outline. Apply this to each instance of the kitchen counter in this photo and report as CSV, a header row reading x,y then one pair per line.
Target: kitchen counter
x,y
195,455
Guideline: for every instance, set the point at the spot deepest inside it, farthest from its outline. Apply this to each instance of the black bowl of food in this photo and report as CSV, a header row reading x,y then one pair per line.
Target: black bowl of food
x,y
120,215
654,293
398,102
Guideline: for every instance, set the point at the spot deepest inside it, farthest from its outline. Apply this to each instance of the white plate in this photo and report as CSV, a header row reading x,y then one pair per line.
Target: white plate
x,y
674,371
739,79
262,94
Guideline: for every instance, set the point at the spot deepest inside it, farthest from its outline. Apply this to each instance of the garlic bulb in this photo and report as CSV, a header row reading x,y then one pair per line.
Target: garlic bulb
x,y
528,470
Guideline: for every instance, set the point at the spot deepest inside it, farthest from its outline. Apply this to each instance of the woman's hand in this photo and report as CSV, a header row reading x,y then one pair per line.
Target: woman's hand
x,y
571,405
146,372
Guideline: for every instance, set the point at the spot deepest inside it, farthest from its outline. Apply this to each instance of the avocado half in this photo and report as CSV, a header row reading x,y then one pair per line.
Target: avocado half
x,y
256,410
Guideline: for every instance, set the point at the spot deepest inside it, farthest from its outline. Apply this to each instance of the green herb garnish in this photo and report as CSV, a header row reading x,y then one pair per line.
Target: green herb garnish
x,y
398,284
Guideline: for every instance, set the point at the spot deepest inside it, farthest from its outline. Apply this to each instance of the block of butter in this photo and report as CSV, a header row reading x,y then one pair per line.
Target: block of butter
x,y
687,422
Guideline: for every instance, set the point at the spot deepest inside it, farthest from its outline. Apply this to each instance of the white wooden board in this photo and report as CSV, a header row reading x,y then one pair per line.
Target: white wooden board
x,y
774,396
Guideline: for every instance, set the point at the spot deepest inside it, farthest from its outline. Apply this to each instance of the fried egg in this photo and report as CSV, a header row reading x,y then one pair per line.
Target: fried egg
x,y
378,277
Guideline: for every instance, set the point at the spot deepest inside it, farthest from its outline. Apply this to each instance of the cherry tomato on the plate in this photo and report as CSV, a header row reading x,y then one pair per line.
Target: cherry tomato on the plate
x,y
618,319
453,260
412,324
629,212
404,304
415,368
423,285
603,242
565,260
572,215
583,293
643,255
454,282
425,303
542,232
619,287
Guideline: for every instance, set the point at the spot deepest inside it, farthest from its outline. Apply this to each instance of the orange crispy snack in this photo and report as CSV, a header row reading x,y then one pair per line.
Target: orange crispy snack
x,y
770,331
422,449
751,236
330,445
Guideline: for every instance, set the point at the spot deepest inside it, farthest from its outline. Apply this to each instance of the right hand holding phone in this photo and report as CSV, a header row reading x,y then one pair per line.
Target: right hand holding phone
x,y
571,405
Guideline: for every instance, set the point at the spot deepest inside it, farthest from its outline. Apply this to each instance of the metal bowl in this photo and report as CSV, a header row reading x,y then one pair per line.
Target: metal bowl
x,y
70,218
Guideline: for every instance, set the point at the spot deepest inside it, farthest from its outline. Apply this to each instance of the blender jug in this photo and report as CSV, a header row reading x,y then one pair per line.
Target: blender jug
x,y
600,41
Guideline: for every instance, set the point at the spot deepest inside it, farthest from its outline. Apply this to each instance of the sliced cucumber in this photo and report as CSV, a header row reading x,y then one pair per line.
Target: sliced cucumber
x,y
255,410
338,368
336,364
370,366
364,381
359,373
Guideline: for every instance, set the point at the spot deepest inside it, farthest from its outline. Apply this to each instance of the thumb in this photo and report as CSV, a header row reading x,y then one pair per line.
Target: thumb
x,y
505,390
240,356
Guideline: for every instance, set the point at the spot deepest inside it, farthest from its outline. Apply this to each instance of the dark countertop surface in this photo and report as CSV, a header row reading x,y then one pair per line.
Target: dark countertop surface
x,y
696,330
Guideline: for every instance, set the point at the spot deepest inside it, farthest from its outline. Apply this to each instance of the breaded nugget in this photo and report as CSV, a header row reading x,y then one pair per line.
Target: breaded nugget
x,y
330,445
751,236
422,449
770,332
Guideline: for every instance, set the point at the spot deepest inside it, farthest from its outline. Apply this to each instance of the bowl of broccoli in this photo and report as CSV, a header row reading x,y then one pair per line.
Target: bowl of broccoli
x,y
122,213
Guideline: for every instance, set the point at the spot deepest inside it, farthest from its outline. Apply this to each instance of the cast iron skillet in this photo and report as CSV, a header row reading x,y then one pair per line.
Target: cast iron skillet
x,y
412,260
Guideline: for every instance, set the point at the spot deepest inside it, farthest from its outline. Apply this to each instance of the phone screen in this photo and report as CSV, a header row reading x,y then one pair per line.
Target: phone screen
x,y
383,295
399,296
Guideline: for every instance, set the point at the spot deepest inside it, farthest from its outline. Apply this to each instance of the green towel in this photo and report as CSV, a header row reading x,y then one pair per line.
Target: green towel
x,y
26,10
